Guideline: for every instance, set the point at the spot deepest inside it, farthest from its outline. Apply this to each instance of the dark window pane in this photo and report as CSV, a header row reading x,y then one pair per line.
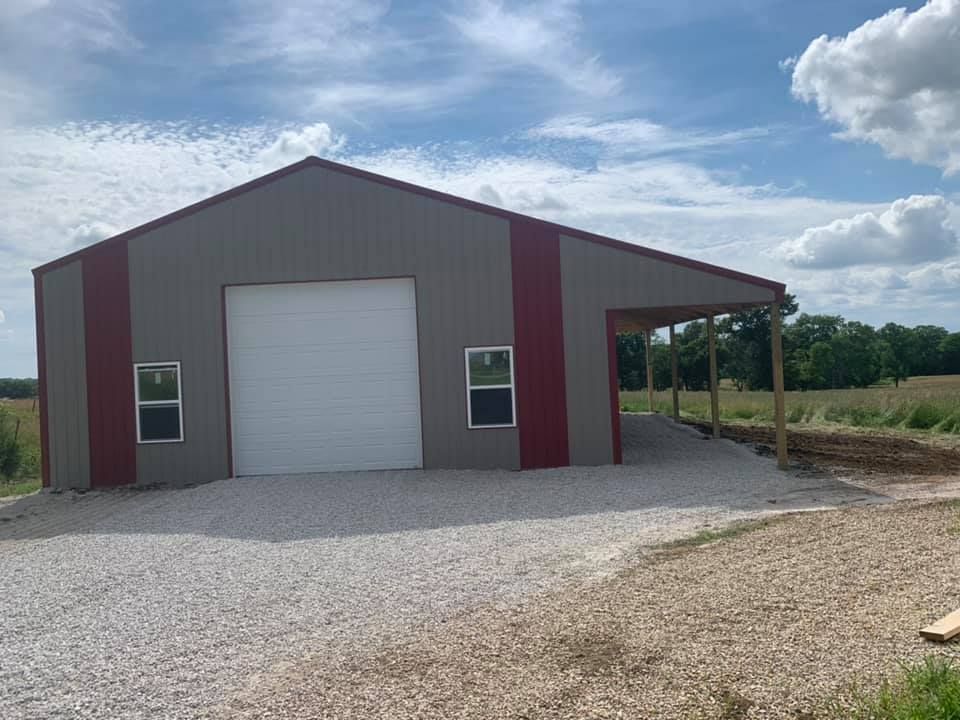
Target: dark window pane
x,y
157,383
159,422
491,407
489,367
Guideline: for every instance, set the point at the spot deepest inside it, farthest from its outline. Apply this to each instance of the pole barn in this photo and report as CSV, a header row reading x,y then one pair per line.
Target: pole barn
x,y
326,318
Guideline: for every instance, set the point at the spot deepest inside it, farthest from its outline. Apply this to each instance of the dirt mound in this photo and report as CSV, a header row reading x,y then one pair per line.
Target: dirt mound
x,y
872,454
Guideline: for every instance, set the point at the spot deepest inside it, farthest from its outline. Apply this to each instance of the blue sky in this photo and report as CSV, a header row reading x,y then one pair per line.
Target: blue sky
x,y
816,143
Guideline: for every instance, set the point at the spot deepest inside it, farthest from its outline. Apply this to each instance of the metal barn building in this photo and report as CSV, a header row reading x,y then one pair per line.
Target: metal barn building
x,y
325,318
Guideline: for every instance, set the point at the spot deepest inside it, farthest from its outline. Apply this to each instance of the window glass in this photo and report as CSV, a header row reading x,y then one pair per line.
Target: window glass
x,y
159,422
492,406
158,383
159,411
489,367
490,391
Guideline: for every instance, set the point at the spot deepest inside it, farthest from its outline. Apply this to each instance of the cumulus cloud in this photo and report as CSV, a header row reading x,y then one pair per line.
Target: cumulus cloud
x,y
640,136
542,35
893,81
911,231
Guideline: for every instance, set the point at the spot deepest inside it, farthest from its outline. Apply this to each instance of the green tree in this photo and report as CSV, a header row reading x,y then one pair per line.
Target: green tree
x,y
950,354
856,351
820,365
926,357
898,344
746,338
694,358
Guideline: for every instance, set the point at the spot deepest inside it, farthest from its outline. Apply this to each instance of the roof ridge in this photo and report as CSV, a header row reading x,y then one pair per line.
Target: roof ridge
x,y
314,161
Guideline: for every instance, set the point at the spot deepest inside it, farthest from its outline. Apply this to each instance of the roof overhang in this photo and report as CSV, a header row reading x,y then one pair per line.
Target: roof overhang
x,y
651,318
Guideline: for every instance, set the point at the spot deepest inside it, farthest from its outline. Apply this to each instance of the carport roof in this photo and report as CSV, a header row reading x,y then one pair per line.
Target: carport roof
x,y
311,161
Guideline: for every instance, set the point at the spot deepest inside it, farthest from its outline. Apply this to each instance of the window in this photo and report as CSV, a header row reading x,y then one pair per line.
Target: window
x,y
490,401
159,409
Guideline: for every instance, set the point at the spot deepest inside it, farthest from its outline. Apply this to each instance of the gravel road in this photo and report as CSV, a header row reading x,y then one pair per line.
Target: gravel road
x,y
166,603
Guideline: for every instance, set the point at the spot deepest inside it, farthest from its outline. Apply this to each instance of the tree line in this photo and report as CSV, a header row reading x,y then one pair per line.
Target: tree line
x,y
820,352
17,388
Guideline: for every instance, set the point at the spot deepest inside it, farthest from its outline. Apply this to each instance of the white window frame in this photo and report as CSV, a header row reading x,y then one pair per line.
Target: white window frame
x,y
137,367
512,386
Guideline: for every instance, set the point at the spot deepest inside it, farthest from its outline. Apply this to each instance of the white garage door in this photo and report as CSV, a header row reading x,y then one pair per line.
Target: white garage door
x,y
324,376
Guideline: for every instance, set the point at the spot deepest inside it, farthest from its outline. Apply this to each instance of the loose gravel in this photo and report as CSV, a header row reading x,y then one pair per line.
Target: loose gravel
x,y
780,622
167,603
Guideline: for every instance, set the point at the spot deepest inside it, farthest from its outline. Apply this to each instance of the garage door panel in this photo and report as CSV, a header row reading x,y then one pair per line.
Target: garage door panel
x,y
324,376
292,331
384,362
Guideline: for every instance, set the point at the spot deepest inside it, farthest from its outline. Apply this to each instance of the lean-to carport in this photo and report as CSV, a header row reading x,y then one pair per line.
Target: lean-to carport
x,y
646,320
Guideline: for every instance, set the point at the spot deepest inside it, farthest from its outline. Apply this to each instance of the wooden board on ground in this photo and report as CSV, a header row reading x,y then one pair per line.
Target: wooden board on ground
x,y
944,628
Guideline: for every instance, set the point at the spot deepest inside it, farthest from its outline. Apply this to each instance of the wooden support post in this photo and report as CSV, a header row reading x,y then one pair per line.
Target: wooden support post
x,y
779,410
675,374
714,381
649,354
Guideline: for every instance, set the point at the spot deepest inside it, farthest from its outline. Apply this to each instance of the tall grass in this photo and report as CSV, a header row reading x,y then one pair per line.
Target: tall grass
x,y
929,404
929,690
28,437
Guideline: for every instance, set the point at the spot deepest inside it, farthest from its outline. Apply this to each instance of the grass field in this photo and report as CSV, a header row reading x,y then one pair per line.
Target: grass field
x,y
920,404
28,479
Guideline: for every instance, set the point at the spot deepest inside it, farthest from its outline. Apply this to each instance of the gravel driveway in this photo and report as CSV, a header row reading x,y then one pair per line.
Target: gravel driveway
x,y
165,603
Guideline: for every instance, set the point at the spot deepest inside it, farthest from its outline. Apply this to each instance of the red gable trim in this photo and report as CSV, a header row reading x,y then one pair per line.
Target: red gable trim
x,y
777,288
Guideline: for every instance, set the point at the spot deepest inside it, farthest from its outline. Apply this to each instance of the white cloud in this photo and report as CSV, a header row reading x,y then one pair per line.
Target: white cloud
x,y
911,231
48,51
303,33
544,36
937,279
640,136
893,81
3,318
63,185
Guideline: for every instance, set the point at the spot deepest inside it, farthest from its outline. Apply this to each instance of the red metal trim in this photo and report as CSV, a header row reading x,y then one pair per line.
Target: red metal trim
x,y
42,380
539,366
226,378
778,288
109,356
614,387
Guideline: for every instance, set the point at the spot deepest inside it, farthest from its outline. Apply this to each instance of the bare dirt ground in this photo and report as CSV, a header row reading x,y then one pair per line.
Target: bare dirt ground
x,y
776,623
865,454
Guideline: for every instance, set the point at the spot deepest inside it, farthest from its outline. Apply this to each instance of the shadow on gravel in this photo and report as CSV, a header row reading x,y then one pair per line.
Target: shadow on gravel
x,y
669,470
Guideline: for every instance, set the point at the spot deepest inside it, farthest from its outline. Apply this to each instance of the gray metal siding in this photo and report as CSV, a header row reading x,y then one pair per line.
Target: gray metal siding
x,y
319,225
597,278
67,422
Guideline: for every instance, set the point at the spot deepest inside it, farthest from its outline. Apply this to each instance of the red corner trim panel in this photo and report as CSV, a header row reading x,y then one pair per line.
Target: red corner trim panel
x,y
110,399
614,386
538,337
42,380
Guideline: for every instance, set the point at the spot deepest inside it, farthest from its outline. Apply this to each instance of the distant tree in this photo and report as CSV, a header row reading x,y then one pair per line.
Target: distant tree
x,y
856,351
950,354
897,346
926,357
694,358
16,388
819,369
746,337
